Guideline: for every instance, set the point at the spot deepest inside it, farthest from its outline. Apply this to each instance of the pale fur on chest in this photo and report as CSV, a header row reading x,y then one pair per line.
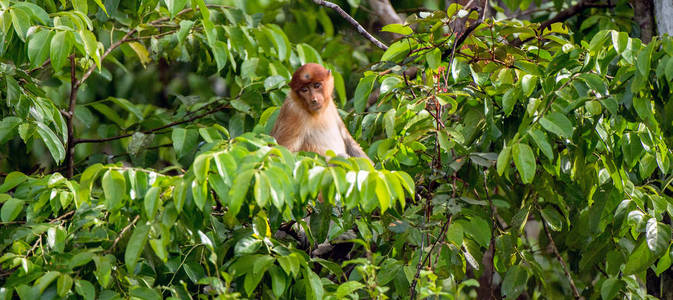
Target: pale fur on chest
x,y
321,134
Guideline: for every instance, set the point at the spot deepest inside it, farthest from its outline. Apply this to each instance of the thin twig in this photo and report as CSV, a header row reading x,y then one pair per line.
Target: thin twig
x,y
212,111
412,288
124,230
576,293
350,19
44,64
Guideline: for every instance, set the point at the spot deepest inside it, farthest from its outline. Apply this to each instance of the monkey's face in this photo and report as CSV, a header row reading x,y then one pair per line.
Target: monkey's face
x,y
313,94
313,86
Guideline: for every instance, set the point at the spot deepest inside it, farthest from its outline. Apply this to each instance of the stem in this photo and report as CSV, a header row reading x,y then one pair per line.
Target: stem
x,y
69,115
124,230
576,293
210,112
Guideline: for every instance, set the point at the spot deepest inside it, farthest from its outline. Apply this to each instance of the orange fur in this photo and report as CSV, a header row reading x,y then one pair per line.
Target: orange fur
x,y
309,120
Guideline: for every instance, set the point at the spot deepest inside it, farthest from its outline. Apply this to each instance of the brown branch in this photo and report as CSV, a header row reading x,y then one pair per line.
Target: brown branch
x,y
350,19
124,230
210,112
44,64
412,288
576,293
69,115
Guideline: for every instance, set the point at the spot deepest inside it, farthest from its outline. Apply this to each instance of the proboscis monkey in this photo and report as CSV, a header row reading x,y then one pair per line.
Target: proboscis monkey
x,y
309,120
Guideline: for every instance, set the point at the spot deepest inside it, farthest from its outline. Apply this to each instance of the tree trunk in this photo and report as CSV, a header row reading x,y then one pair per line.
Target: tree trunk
x,y
642,14
385,11
663,11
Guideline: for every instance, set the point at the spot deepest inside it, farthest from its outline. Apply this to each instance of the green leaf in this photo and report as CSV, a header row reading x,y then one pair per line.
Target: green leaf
x,y
201,167
645,60
553,219
81,6
151,202
12,180
37,50
11,209
524,160
63,285
85,289
314,285
619,41
598,40
184,140
528,84
643,108
141,52
389,84
273,82
658,236
20,21
175,6
479,230
669,70
51,141
640,259
397,28
514,282
91,45
348,288
237,194
397,51
60,49
558,124
114,189
542,143
362,92
595,82
308,54
261,189
509,99
611,287
434,58
220,52
135,246
145,293
278,281
503,160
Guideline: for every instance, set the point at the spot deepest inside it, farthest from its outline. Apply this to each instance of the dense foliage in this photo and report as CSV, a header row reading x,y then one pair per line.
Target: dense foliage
x,y
510,159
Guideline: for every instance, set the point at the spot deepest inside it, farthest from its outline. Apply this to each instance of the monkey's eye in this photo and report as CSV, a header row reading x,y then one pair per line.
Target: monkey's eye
x,y
304,90
316,85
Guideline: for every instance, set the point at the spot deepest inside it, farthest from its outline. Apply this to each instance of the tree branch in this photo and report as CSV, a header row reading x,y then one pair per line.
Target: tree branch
x,y
210,112
576,293
69,115
442,233
124,230
350,19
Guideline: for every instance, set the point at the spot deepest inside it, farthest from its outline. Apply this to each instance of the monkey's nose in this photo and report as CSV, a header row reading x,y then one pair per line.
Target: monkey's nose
x,y
314,101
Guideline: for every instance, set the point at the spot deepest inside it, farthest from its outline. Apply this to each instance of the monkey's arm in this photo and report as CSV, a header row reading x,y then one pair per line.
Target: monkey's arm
x,y
353,149
284,131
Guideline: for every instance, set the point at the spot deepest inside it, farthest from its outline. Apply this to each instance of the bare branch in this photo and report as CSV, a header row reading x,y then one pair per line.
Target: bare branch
x,y
576,293
210,112
121,234
70,151
350,19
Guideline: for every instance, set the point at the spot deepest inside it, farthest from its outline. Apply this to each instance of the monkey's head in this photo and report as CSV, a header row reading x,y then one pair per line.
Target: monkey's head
x,y
313,86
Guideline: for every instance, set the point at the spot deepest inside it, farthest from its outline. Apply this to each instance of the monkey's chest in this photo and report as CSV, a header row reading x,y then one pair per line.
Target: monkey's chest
x,y
322,138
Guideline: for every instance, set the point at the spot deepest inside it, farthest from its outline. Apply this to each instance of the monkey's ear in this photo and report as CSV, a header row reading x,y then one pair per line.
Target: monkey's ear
x,y
329,72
